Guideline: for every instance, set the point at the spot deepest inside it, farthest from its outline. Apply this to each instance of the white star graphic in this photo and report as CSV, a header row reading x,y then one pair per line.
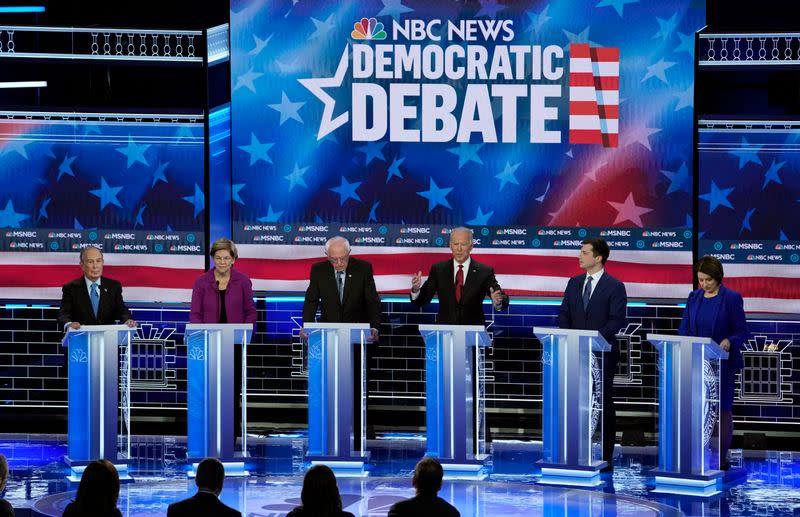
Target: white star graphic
x,y
328,124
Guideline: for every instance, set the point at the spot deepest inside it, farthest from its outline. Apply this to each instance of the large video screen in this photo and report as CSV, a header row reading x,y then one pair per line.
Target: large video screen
x,y
129,184
537,123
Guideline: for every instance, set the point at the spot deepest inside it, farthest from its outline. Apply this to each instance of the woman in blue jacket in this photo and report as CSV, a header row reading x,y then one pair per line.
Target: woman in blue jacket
x,y
717,312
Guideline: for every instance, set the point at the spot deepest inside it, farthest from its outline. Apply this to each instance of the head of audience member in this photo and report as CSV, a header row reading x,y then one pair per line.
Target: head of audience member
x,y
461,243
3,472
320,494
594,254
337,249
210,476
223,252
428,476
98,490
709,274
92,263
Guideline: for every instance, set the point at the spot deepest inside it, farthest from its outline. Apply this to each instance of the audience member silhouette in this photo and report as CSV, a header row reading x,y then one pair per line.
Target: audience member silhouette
x,y
98,492
427,480
320,495
6,510
209,480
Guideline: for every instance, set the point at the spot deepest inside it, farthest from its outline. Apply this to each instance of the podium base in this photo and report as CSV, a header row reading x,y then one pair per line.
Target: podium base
x,y
698,485
76,468
233,469
571,475
352,466
465,469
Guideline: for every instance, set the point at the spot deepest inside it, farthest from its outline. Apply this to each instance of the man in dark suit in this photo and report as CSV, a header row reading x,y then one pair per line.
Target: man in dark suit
x,y
596,300
345,287
427,480
92,299
461,282
209,481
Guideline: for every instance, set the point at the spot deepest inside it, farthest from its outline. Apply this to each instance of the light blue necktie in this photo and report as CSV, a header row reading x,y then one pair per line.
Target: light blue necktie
x,y
340,284
95,297
587,292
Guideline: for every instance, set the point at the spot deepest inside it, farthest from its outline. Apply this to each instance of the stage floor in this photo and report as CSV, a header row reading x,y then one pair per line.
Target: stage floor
x,y
38,482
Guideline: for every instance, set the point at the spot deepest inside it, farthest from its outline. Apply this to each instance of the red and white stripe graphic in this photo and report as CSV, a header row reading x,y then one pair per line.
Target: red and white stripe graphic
x,y
766,287
593,95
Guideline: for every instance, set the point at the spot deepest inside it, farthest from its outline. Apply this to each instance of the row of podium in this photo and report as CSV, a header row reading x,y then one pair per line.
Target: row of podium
x,y
688,369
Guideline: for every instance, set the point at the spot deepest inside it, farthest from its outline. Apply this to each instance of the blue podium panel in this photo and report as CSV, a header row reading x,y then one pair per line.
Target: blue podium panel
x,y
209,372
689,409
454,384
572,405
95,387
337,393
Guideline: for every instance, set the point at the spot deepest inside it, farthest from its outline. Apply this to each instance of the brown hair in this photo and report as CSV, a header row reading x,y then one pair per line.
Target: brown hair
x,y
3,472
599,247
98,490
711,266
224,244
428,476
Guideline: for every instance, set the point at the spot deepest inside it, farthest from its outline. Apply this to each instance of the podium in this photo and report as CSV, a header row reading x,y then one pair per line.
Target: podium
x,y
209,375
97,381
572,406
337,394
688,413
454,385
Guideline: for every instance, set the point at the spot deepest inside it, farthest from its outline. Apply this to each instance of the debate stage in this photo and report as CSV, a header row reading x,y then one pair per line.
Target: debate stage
x,y
38,481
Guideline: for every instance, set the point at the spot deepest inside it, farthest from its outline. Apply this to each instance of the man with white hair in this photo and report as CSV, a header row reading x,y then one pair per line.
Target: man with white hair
x,y
345,286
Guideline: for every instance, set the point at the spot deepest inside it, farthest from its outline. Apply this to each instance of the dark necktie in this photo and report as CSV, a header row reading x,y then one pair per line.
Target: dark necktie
x,y
587,292
340,283
95,298
459,282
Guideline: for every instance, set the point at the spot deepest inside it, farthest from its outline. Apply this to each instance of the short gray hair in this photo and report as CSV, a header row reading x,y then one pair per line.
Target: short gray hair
x,y
461,229
338,239
89,247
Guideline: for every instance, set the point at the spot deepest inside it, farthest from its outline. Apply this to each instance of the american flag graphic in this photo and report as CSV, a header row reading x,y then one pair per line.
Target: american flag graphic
x,y
593,95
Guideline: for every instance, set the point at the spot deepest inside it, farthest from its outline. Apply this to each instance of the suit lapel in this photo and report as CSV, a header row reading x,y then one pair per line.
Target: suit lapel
x,y
348,280
83,294
449,284
471,280
601,286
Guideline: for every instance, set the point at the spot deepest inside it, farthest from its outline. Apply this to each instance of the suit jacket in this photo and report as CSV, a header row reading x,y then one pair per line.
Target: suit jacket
x,y
606,311
201,503
72,511
239,305
729,322
423,506
299,512
76,306
360,303
6,510
476,287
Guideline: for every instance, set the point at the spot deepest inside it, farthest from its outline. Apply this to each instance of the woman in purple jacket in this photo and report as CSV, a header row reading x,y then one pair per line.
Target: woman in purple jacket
x,y
717,312
224,295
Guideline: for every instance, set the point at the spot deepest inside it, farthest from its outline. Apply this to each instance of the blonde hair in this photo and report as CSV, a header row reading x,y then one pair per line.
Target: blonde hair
x,y
3,472
224,244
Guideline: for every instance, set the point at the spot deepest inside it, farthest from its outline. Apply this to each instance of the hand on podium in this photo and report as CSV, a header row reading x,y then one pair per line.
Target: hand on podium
x,y
725,344
373,337
303,334
130,323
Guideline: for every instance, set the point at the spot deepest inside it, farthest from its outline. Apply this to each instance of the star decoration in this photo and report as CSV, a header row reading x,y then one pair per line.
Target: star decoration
x,y
394,8
107,194
658,70
287,109
490,8
782,236
235,189
17,146
394,168
772,174
66,167
198,199
347,191
480,218
321,29
540,199
260,45
628,211
618,5
746,221
679,180
10,218
666,27
139,221
538,20
158,174
372,217
134,152
372,151
246,80
296,177
640,135
435,195
328,123
77,224
466,153
685,98
581,37
271,217
717,197
748,153
507,176
257,150
43,209
686,44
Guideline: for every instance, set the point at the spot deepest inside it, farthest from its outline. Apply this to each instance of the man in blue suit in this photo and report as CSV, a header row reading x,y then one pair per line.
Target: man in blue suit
x,y
597,301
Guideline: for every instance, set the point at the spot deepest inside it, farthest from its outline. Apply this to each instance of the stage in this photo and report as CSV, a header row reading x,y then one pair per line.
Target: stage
x,y
38,484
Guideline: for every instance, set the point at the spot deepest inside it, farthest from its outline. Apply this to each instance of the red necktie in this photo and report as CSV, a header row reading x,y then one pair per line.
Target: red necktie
x,y
459,282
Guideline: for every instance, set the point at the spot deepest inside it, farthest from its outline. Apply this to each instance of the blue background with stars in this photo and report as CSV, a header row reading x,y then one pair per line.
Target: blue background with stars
x,y
284,174
111,176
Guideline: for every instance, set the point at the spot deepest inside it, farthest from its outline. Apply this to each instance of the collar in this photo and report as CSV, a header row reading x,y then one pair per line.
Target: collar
x,y
466,265
595,276
89,282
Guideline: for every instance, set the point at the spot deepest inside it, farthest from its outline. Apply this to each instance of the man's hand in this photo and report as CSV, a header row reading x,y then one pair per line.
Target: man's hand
x,y
373,336
74,325
303,334
725,344
416,281
497,296
130,323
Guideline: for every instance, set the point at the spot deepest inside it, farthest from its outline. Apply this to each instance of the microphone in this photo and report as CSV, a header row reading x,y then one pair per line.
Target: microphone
x,y
217,281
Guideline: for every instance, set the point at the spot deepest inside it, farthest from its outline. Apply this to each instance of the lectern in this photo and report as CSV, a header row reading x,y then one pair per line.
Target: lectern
x,y
337,394
572,406
688,413
454,385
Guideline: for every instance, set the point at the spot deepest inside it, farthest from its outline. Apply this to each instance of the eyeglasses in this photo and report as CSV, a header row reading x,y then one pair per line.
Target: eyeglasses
x,y
339,260
223,259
